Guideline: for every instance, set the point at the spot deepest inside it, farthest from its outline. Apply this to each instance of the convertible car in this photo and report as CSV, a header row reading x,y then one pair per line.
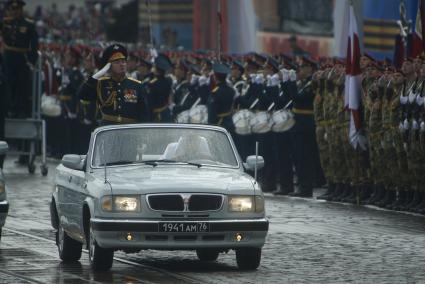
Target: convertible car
x,y
159,186
4,205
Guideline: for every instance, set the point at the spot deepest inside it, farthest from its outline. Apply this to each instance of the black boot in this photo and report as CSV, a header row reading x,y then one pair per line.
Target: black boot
x,y
381,195
417,198
401,199
408,199
344,192
352,197
421,205
338,190
328,193
388,199
365,193
303,191
375,191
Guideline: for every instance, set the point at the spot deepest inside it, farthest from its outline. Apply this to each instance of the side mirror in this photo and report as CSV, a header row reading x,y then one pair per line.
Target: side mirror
x,y
3,147
252,160
75,162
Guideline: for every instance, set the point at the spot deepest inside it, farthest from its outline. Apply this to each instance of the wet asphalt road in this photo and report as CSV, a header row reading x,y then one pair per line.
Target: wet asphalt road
x,y
309,241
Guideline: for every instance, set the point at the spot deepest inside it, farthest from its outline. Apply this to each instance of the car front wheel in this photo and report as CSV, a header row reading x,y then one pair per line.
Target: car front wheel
x,y
207,254
68,248
248,258
100,258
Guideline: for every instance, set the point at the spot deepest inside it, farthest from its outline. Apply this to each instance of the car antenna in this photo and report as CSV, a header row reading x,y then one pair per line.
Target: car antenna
x,y
104,160
256,161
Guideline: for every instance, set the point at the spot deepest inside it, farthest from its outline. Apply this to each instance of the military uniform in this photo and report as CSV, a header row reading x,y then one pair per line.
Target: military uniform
x,y
20,49
159,91
119,101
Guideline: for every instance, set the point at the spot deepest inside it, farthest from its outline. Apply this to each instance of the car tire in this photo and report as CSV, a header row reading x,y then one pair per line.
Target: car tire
x,y
207,254
100,258
248,258
68,248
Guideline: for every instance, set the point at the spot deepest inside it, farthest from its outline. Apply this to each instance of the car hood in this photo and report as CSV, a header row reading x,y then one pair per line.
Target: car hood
x,y
178,179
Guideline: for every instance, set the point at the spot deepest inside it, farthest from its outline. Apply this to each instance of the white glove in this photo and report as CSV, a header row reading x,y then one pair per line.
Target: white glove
x,y
422,126
153,53
362,142
259,79
72,115
406,124
292,75
86,121
420,100
252,77
401,127
285,74
274,80
102,71
412,97
203,80
403,100
194,79
415,125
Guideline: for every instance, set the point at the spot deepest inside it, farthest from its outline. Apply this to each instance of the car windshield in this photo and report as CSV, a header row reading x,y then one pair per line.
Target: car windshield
x,y
161,145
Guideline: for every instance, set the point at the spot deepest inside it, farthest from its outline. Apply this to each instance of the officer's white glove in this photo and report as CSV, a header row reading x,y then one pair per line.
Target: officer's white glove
x,y
362,142
102,71
292,75
285,74
401,127
259,79
194,79
171,106
203,80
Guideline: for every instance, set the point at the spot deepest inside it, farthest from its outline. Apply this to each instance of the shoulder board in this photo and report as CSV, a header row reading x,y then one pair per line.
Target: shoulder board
x,y
104,78
153,80
134,80
29,20
215,89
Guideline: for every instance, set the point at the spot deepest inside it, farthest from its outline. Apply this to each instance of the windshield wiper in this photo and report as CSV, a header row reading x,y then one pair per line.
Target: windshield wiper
x,y
155,162
124,162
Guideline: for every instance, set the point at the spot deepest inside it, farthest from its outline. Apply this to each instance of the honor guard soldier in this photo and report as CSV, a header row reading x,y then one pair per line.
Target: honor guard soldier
x,y
20,52
120,99
303,133
185,93
220,102
159,90
144,73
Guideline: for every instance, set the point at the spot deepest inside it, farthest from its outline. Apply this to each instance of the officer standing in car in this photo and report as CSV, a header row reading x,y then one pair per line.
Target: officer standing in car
x,y
120,99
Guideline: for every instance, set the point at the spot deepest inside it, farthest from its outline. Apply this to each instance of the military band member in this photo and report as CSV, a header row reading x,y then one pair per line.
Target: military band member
x,y
159,90
120,99
185,94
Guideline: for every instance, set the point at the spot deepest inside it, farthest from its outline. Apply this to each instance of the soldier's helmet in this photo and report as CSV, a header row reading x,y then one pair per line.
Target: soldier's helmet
x,y
114,52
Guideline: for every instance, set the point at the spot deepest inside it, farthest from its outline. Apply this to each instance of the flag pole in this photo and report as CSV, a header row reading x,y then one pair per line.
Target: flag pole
x,y
219,29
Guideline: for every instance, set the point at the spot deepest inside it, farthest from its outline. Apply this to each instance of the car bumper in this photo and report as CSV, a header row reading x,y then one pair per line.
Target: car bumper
x,y
146,235
4,209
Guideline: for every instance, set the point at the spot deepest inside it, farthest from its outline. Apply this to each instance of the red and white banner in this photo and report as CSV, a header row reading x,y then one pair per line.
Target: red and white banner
x,y
353,82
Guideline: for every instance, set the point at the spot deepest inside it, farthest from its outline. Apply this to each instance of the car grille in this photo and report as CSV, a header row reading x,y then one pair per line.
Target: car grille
x,y
176,202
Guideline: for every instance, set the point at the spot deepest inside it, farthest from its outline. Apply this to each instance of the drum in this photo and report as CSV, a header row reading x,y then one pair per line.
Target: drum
x,y
241,121
183,117
198,114
260,122
282,120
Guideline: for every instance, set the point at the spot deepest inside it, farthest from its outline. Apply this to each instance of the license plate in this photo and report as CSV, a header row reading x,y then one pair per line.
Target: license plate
x,y
176,227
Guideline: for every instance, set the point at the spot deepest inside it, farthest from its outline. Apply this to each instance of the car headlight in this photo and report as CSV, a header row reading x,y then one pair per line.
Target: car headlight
x,y
246,204
120,203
